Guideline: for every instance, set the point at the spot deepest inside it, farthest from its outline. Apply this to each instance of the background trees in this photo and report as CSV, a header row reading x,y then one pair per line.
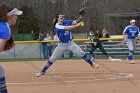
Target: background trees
x,y
39,14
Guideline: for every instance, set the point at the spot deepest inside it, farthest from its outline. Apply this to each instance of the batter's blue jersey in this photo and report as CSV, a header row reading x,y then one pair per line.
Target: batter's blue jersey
x,y
64,36
131,31
4,30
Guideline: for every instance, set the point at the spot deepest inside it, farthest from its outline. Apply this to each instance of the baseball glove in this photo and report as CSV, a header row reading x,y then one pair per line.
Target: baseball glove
x,y
9,44
82,11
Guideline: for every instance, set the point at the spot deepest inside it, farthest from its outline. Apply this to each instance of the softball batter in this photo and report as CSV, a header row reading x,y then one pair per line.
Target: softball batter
x,y
63,30
130,34
8,17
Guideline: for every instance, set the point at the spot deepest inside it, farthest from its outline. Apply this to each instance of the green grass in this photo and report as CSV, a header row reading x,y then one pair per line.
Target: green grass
x,y
41,59
22,59
33,59
119,57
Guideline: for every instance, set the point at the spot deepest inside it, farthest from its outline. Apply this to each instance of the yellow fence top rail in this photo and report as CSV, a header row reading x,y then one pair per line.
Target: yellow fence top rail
x,y
54,41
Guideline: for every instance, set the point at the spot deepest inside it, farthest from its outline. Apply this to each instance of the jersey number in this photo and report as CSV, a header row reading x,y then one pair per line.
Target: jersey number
x,y
66,33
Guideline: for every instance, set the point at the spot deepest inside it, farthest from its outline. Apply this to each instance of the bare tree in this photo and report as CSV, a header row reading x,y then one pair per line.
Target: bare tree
x,y
45,11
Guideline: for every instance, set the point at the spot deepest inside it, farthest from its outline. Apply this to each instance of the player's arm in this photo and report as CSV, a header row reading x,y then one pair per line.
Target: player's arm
x,y
96,40
78,20
67,27
124,36
2,44
88,44
124,33
138,35
5,35
74,22
71,27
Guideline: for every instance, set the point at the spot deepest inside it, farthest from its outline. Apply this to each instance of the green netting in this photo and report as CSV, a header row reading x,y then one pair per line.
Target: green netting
x,y
23,37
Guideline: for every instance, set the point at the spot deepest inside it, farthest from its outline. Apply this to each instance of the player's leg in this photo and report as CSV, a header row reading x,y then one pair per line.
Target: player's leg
x,y
92,49
134,45
131,48
50,51
103,50
76,49
3,88
44,51
59,50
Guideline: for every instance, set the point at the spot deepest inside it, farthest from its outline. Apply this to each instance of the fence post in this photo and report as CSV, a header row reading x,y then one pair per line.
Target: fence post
x,y
40,49
14,52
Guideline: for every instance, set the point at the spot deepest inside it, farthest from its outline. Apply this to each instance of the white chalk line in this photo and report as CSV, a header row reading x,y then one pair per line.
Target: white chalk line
x,y
127,75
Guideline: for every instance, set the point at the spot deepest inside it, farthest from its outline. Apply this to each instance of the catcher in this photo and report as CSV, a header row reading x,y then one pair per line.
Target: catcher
x,y
8,18
96,43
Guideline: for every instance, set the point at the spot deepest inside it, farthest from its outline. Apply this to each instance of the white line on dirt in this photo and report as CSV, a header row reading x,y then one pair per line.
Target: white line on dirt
x,y
126,75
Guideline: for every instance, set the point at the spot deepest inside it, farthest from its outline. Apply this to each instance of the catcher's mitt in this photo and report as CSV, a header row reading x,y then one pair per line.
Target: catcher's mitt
x,y
9,44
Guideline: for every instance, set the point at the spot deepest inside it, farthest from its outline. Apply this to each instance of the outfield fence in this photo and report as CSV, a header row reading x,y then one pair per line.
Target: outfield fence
x,y
32,49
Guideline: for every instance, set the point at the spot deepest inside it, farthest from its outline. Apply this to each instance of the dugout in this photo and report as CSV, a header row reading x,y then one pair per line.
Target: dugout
x,y
116,22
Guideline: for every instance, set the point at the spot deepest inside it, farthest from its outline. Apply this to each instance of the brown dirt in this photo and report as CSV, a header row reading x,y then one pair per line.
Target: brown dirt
x,y
73,76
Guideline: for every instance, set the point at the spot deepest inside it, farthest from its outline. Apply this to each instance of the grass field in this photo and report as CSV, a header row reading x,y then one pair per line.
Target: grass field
x,y
41,59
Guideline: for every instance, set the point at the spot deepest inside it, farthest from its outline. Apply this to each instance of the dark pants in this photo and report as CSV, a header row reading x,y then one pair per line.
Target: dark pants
x,y
49,51
44,51
93,48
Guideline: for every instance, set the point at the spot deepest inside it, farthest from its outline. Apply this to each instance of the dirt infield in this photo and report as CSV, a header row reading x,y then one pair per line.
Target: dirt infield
x,y
73,76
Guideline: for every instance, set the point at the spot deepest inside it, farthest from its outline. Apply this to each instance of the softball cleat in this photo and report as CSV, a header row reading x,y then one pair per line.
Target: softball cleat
x,y
95,65
131,62
110,58
92,59
40,74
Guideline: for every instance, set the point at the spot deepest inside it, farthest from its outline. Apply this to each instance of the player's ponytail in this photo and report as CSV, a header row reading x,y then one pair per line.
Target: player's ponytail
x,y
54,23
3,12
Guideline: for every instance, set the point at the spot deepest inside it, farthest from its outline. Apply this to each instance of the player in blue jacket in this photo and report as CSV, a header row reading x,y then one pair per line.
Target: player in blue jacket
x,y
8,18
130,34
63,30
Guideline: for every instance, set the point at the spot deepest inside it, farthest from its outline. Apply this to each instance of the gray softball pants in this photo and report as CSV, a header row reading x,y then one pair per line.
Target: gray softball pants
x,y
62,47
2,79
131,44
